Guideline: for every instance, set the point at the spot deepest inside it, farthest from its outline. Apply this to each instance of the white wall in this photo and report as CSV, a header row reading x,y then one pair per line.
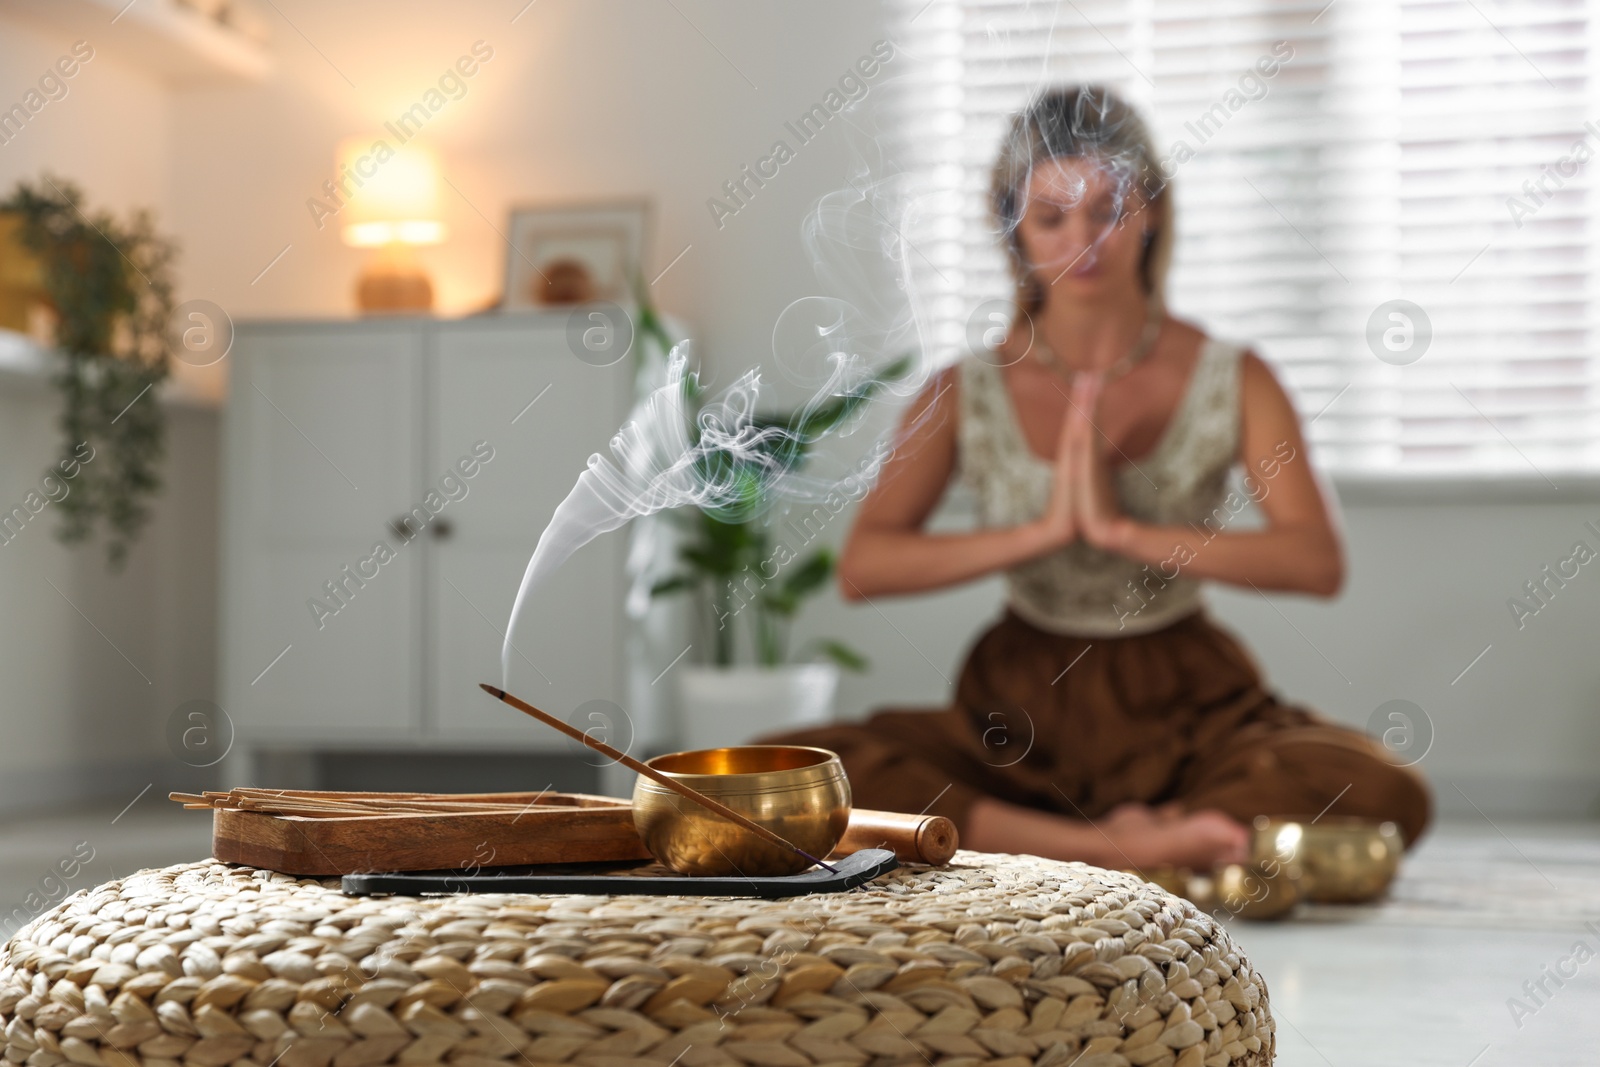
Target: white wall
x,y
111,133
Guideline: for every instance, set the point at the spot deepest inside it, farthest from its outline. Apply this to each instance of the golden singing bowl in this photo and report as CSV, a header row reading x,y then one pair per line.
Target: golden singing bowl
x,y
799,793
1344,860
1174,880
1256,892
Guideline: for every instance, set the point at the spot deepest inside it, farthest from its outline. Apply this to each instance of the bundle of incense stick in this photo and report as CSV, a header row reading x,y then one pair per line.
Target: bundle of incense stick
x,y
333,805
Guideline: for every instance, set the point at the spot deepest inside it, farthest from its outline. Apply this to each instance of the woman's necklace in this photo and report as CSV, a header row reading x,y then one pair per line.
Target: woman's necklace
x,y
1140,348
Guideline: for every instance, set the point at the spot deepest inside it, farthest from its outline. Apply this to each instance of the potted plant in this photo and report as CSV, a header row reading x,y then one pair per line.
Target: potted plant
x,y
747,581
109,286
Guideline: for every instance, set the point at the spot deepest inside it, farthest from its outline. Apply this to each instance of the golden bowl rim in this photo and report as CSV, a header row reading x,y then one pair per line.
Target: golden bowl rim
x,y
829,755
1345,824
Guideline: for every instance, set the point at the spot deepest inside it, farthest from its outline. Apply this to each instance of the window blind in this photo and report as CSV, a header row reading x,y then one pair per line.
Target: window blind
x,y
1427,151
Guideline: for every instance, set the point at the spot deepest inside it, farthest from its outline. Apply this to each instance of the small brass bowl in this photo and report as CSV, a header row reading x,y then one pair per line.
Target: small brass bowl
x,y
799,793
1257,893
1174,880
1344,860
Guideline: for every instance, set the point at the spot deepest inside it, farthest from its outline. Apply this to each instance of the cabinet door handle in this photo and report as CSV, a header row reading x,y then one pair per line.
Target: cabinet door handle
x,y
442,529
402,528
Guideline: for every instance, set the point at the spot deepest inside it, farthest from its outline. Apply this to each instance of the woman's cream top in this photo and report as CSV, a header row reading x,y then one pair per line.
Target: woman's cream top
x,y
1080,589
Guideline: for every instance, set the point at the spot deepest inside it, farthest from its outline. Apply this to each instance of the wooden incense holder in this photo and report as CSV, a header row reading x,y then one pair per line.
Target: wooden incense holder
x,y
323,834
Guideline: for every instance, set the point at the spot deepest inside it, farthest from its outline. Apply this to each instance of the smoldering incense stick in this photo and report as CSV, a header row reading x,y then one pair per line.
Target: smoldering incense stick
x,y
651,773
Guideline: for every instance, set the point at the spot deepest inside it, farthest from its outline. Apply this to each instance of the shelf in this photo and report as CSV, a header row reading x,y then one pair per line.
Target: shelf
x,y
175,44
20,358
26,365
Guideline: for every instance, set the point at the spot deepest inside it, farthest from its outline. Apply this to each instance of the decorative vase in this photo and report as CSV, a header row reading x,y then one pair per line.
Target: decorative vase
x,y
719,706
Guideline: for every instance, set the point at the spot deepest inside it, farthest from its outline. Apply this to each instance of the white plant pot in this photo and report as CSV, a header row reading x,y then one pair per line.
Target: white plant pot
x,y
730,705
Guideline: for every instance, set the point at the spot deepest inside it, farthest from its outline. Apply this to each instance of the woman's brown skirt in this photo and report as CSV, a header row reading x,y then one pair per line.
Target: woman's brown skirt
x,y
1079,725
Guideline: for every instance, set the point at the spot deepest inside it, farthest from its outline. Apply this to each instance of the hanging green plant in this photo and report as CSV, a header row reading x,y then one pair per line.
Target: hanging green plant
x,y
110,286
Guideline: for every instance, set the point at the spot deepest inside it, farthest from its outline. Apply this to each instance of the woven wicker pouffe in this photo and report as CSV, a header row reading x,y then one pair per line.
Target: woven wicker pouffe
x,y
997,960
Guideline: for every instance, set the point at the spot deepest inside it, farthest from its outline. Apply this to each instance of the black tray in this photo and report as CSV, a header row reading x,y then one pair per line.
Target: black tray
x,y
854,869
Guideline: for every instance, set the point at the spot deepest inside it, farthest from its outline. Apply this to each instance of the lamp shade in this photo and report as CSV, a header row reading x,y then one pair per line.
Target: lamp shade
x,y
394,193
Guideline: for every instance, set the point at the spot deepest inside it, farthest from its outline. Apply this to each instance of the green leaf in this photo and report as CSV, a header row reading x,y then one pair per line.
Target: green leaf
x,y
677,583
780,604
809,577
715,564
726,537
800,582
649,323
843,655
810,426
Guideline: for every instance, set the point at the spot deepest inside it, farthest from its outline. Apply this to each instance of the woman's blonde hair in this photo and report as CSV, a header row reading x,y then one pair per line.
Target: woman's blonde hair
x,y
1083,121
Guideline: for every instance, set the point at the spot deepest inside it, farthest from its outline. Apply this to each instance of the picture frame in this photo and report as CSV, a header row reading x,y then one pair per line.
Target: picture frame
x,y
560,255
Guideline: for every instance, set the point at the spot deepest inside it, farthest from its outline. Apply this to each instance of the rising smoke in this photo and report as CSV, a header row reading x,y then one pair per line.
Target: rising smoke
x,y
722,458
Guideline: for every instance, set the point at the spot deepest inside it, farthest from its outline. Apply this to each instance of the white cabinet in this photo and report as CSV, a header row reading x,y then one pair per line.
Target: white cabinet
x,y
482,383
344,625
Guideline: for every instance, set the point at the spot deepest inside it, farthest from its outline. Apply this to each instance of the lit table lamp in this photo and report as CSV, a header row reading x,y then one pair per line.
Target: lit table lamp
x,y
392,206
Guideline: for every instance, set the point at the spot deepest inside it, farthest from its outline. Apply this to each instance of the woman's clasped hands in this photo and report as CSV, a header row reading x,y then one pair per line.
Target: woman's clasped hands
x,y
1083,501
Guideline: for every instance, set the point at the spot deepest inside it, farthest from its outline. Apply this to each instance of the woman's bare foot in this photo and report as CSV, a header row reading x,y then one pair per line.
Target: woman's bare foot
x,y
1131,835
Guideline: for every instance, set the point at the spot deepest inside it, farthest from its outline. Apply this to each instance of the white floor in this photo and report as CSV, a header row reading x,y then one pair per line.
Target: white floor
x,y
34,852
1375,997
1418,987
1359,989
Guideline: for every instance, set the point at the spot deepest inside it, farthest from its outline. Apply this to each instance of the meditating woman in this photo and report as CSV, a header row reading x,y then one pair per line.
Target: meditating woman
x,y
1105,717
